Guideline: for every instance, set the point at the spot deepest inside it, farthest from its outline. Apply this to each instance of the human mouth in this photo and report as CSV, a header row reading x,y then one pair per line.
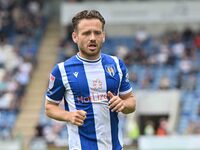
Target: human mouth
x,y
92,46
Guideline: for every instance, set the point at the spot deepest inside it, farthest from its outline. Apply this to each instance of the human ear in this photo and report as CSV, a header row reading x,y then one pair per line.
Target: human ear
x,y
103,39
74,37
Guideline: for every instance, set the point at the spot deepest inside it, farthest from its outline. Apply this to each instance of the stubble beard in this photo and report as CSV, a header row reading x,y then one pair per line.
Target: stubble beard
x,y
90,54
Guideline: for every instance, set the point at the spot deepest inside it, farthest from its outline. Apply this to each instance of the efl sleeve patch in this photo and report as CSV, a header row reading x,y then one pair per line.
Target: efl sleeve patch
x,y
51,81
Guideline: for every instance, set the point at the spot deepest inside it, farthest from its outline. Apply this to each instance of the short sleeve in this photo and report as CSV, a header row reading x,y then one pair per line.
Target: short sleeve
x,y
56,89
125,84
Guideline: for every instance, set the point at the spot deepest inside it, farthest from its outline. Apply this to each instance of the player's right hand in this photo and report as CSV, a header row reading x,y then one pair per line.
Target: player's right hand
x,y
77,117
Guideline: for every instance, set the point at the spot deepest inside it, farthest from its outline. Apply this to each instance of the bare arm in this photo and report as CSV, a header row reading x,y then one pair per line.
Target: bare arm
x,y
124,103
129,103
52,110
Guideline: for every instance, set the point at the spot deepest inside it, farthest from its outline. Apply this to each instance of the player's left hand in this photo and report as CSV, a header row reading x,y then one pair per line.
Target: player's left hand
x,y
115,103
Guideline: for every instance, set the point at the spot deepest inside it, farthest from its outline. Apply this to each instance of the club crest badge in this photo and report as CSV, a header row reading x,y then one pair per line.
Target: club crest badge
x,y
51,81
110,69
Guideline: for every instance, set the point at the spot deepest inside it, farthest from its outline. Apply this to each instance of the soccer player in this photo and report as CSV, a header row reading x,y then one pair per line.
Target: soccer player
x,y
94,86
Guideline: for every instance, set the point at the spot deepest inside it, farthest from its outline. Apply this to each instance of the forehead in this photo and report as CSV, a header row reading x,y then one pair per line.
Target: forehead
x,y
89,24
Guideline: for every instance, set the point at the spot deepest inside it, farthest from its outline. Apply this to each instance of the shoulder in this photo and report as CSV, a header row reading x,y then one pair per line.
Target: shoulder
x,y
69,62
61,65
111,58
107,57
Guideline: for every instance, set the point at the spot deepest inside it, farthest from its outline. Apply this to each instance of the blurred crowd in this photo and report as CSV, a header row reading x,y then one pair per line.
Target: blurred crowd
x,y
22,24
172,55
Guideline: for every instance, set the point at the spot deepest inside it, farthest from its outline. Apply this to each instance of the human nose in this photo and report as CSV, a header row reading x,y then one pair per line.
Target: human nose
x,y
92,37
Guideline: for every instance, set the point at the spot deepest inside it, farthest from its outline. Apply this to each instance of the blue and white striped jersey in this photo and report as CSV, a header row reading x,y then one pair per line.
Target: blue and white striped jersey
x,y
84,85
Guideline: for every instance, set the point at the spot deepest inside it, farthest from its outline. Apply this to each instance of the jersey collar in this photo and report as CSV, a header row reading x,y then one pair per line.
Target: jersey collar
x,y
87,60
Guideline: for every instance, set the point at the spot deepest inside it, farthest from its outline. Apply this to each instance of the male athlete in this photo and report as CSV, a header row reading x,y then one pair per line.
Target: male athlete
x,y
95,88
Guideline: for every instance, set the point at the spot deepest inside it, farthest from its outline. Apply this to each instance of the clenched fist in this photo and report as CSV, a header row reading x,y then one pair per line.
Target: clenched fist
x,y
77,117
116,103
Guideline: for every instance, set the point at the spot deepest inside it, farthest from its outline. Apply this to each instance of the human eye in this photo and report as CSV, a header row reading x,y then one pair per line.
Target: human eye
x,y
86,33
98,32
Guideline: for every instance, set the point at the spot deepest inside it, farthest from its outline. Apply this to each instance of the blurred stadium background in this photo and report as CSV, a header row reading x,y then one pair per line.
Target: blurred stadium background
x,y
159,40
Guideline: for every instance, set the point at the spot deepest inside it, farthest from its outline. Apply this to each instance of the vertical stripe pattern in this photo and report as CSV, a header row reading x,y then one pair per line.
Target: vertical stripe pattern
x,y
79,86
72,129
116,143
86,84
120,76
97,82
